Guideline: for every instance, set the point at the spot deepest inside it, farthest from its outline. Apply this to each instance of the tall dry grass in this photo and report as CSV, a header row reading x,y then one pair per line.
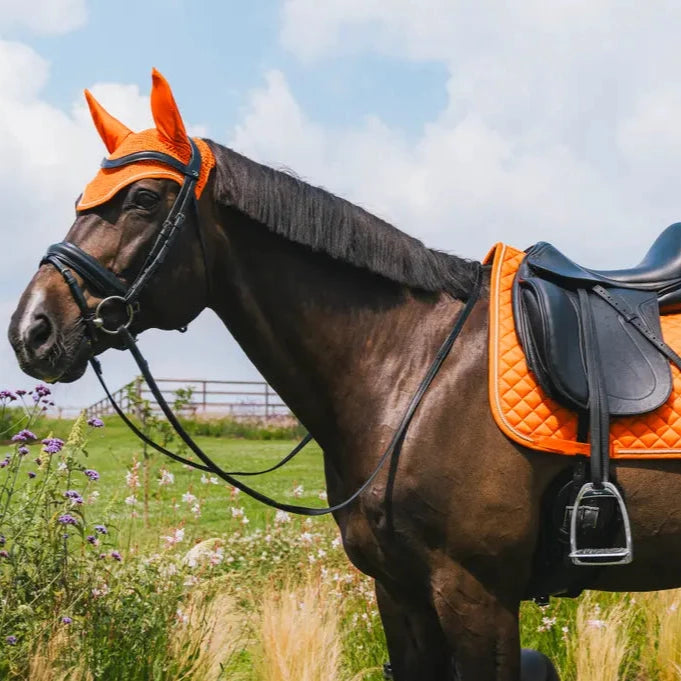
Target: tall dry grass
x,y
601,640
661,659
46,662
299,636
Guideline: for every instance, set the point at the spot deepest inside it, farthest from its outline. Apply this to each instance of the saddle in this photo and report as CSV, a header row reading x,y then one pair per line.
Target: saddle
x,y
594,343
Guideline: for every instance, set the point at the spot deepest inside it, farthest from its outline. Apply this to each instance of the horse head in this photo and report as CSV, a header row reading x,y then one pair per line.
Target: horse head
x,y
142,200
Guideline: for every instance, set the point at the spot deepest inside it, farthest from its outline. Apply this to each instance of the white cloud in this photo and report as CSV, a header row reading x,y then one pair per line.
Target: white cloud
x,y
43,16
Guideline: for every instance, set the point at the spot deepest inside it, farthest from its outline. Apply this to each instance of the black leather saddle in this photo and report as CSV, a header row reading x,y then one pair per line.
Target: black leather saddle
x,y
594,343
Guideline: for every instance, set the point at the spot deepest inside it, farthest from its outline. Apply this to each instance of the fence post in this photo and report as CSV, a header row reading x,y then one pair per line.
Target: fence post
x,y
204,397
267,401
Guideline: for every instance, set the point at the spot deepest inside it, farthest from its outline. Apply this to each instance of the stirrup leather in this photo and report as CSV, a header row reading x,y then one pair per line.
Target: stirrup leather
x,y
615,555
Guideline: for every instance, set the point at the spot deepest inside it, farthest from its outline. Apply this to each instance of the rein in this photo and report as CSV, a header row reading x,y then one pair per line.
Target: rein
x,y
66,256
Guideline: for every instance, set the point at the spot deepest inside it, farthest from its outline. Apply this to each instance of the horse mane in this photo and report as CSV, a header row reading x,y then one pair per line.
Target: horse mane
x,y
318,219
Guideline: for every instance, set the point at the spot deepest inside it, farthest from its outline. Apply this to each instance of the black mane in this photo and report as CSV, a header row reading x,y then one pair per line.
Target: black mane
x,y
314,217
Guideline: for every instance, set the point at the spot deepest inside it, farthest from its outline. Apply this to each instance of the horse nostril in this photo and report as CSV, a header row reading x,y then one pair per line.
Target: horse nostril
x,y
38,333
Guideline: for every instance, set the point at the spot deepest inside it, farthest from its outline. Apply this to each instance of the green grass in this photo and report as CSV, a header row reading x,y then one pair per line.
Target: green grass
x,y
113,449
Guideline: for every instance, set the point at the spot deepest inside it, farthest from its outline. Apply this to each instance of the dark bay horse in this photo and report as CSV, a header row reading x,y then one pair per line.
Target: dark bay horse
x,y
342,314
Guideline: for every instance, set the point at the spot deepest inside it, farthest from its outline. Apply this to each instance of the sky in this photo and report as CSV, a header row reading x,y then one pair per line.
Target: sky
x,y
461,122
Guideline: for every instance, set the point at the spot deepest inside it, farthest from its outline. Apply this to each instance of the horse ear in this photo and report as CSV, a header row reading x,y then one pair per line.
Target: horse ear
x,y
110,129
164,109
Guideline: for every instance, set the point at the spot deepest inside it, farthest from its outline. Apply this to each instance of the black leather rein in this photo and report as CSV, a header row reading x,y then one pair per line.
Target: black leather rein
x,y
66,256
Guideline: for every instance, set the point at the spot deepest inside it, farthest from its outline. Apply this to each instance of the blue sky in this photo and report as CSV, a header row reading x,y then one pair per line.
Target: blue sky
x,y
463,123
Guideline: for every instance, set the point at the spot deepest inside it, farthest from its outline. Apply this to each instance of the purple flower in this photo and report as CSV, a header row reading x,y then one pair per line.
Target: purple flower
x,y
7,395
20,392
101,529
11,640
24,436
23,450
4,462
52,445
4,554
42,390
74,496
31,475
91,539
66,620
95,422
67,519
91,474
2,540
116,556
102,556
38,461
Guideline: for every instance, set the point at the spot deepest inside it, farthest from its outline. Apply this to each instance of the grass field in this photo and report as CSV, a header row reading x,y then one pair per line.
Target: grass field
x,y
275,599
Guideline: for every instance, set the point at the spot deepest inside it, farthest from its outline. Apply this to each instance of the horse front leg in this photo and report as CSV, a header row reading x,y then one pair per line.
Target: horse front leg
x,y
481,630
417,646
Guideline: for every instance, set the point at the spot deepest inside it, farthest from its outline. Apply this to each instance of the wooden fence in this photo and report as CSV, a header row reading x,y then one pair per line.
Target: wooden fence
x,y
238,399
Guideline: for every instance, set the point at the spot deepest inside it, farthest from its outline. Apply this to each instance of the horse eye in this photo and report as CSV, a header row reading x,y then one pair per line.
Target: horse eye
x,y
145,198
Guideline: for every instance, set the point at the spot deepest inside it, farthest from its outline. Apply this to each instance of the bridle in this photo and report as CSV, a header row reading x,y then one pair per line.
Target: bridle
x,y
65,256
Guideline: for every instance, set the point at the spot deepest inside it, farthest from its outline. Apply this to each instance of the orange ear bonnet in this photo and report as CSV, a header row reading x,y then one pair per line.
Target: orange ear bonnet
x,y
168,137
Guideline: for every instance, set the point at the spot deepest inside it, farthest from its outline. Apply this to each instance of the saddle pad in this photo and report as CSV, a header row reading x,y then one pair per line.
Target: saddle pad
x,y
529,417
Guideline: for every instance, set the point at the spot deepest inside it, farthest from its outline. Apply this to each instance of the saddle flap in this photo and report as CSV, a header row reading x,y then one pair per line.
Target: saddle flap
x,y
637,376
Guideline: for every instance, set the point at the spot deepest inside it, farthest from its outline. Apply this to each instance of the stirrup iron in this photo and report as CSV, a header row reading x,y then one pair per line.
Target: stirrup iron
x,y
615,555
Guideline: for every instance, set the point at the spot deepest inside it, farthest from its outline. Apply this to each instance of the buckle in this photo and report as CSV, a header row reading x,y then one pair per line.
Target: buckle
x,y
607,555
119,321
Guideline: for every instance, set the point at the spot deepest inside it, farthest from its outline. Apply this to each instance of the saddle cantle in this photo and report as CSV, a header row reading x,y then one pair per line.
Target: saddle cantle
x,y
594,343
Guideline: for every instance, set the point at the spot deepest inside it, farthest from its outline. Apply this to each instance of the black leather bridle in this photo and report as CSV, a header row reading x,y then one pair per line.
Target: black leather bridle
x,y
66,256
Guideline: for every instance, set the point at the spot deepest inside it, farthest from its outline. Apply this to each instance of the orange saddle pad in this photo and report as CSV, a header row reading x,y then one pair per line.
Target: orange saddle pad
x,y
528,416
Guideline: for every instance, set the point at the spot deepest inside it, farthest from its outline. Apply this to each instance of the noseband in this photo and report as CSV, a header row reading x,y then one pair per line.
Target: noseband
x,y
66,256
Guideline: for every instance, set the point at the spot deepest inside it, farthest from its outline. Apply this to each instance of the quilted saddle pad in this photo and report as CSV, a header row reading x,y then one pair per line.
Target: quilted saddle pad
x,y
528,416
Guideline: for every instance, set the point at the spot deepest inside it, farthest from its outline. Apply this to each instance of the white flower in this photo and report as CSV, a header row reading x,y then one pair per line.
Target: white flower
x,y
322,495
61,466
237,511
336,543
167,478
298,491
281,517
92,497
204,479
306,538
188,497
176,537
181,616
597,624
131,500
196,510
213,480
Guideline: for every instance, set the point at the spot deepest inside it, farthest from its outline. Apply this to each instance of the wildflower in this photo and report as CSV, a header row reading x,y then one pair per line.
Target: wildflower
x,y
116,556
5,462
92,497
31,475
24,436
131,500
234,492
91,474
4,554
132,479
306,538
597,624
42,390
196,510
336,542
103,589
52,445
7,395
298,491
189,498
281,517
66,620
61,466
20,392
2,540
67,519
95,422
38,461
167,478
11,640
74,496
101,529
91,539
322,495
176,537
213,480
23,450
237,512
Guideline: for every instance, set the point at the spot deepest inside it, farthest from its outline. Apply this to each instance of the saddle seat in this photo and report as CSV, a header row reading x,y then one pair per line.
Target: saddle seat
x,y
659,271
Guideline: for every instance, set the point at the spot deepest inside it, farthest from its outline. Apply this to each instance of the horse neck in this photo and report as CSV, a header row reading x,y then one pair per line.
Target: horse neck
x,y
332,339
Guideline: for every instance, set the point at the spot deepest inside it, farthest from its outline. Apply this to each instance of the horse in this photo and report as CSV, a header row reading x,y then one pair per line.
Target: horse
x,y
342,313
